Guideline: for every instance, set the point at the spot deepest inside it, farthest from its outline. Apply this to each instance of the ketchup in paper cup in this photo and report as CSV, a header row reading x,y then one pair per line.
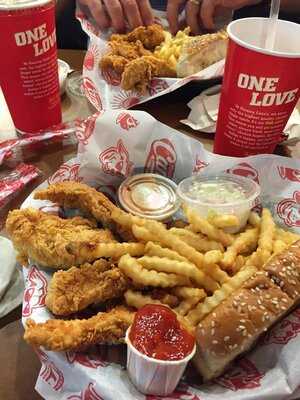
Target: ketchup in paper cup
x,y
158,350
260,87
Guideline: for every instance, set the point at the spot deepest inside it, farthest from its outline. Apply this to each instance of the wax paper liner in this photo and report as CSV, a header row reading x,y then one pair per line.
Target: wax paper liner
x,y
104,90
13,151
112,146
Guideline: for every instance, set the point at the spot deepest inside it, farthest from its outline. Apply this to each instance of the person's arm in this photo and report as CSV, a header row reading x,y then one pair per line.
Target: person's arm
x,y
290,6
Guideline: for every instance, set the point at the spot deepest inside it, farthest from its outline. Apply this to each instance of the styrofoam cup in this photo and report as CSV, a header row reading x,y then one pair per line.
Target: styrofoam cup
x,y
152,376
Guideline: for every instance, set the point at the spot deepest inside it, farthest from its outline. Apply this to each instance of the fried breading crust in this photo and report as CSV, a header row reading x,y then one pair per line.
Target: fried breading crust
x,y
150,36
60,335
73,290
46,238
72,194
138,73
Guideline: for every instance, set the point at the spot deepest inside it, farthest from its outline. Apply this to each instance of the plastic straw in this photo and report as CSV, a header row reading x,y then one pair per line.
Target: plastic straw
x,y
272,25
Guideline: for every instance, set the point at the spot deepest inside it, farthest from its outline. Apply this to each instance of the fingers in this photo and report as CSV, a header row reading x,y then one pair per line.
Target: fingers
x,y
173,9
146,12
98,13
192,17
115,12
132,13
207,12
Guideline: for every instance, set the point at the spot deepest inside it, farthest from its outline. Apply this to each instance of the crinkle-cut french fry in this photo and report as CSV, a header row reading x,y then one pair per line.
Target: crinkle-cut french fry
x,y
213,257
108,250
138,299
238,264
256,259
166,298
241,244
222,220
208,305
143,234
199,224
125,219
175,243
254,219
267,233
196,240
279,246
180,268
140,276
153,249
186,292
286,236
190,296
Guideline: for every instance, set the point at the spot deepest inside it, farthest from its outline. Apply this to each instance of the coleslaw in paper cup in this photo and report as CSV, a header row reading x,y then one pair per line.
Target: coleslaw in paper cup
x,y
114,145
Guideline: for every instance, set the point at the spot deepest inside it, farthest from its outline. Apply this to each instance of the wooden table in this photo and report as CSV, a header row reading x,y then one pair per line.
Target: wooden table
x,y
19,366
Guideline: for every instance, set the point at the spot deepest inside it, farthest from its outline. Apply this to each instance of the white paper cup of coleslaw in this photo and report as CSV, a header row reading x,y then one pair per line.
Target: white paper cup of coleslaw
x,y
153,376
222,194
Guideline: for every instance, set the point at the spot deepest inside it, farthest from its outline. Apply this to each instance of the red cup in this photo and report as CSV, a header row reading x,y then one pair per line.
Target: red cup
x,y
260,87
28,67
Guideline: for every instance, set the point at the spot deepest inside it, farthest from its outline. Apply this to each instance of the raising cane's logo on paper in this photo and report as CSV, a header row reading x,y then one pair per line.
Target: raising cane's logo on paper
x,y
244,375
182,392
35,292
289,174
66,173
161,158
157,85
49,372
85,360
115,160
245,170
289,210
264,91
85,129
90,57
126,121
285,331
38,38
89,393
92,93
199,165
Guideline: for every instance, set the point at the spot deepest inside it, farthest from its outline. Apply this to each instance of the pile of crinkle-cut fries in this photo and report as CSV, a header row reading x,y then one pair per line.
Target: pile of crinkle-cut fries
x,y
190,266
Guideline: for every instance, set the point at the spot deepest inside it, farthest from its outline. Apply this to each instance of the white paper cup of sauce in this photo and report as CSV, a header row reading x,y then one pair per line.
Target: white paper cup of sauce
x,y
149,196
152,376
221,194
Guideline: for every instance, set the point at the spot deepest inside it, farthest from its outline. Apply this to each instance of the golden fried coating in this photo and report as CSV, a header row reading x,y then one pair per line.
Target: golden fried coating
x,y
72,194
73,290
60,335
117,63
138,73
46,238
150,36
129,50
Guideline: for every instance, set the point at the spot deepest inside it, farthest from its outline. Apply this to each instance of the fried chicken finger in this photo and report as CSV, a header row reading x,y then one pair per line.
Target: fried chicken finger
x,y
73,290
60,335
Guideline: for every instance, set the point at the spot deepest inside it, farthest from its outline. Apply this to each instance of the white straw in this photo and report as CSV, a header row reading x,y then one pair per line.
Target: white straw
x,y
272,25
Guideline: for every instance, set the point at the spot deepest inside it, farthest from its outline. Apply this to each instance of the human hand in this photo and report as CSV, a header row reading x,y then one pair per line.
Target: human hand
x,y
201,13
118,13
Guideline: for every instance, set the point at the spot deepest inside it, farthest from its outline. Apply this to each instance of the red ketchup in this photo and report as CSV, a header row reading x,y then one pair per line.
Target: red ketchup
x,y
157,333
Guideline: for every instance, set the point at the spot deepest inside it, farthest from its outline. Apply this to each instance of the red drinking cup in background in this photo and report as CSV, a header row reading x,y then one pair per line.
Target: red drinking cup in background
x,y
260,87
28,67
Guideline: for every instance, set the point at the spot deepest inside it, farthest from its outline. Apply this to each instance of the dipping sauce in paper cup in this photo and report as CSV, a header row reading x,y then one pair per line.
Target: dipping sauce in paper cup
x,y
158,350
224,194
260,87
149,196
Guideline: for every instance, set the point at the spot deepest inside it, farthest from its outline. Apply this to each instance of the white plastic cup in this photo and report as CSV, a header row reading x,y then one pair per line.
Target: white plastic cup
x,y
152,376
240,208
